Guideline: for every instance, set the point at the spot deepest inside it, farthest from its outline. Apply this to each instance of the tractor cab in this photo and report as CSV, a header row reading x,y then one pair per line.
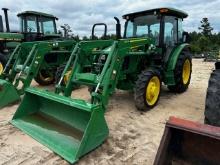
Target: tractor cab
x,y
37,26
164,25
34,26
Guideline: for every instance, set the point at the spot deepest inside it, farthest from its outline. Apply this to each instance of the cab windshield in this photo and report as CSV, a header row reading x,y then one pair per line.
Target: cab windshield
x,y
143,26
47,25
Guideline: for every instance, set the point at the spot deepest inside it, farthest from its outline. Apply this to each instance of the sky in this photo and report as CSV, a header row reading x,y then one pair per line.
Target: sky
x,y
82,14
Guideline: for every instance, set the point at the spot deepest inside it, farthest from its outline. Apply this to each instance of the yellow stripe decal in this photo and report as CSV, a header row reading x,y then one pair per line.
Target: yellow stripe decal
x,y
138,40
8,39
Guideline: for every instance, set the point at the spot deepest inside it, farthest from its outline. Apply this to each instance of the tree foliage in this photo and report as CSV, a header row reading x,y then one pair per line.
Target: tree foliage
x,y
205,41
206,27
66,30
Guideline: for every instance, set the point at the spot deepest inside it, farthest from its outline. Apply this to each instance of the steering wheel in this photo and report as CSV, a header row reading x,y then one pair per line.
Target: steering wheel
x,y
30,29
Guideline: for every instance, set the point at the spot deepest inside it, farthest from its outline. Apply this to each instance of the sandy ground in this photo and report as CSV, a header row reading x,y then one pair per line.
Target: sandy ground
x,y
134,136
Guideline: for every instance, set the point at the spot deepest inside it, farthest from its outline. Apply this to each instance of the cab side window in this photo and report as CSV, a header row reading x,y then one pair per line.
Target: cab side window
x,y
180,30
31,24
170,31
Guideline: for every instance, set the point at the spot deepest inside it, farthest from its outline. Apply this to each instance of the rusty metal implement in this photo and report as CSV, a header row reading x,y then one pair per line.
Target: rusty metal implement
x,y
187,142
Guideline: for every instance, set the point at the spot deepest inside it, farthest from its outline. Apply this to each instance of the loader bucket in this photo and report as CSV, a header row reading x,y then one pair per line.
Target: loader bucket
x,y
71,128
187,142
8,93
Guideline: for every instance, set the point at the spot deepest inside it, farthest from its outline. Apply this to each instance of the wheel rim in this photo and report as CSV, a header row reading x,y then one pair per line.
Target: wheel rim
x,y
186,71
1,68
153,90
46,76
66,77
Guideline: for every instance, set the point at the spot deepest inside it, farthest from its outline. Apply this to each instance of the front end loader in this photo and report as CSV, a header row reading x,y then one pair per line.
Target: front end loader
x,y
187,142
28,61
153,50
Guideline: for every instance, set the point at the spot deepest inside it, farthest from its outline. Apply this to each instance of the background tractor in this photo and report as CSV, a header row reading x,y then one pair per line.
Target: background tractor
x,y
37,60
34,26
154,49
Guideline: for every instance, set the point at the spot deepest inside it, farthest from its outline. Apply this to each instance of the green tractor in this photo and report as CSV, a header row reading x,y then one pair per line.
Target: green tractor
x,y
37,55
37,60
154,49
34,26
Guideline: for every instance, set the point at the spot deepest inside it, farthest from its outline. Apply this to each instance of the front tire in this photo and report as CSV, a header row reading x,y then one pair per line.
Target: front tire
x,y
182,73
147,90
212,106
45,77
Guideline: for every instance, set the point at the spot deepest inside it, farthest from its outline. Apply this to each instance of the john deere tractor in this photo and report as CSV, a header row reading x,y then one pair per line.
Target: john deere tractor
x,y
33,53
34,26
153,50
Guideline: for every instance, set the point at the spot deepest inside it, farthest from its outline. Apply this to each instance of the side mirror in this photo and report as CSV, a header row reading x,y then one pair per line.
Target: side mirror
x,y
1,24
186,37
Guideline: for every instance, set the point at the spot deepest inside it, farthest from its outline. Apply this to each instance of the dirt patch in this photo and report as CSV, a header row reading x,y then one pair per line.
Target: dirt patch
x,y
134,136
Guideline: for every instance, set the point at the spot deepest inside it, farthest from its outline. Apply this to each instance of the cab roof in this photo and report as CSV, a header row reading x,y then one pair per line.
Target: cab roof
x,y
37,13
162,11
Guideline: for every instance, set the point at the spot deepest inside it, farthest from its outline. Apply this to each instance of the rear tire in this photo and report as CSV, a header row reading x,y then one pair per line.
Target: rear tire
x,y
147,90
181,84
3,62
45,77
212,105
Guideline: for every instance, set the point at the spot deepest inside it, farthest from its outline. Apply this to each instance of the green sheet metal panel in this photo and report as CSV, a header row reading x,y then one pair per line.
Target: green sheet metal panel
x,y
8,93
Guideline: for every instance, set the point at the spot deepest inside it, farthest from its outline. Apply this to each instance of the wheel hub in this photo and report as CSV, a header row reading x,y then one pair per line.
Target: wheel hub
x,y
186,71
1,68
45,76
66,77
153,90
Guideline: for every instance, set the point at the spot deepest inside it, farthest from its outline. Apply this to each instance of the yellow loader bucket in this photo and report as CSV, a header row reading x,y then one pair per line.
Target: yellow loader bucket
x,y
8,93
71,128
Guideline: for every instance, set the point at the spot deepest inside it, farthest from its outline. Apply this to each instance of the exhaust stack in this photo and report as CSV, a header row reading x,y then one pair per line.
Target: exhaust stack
x,y
6,19
1,24
118,28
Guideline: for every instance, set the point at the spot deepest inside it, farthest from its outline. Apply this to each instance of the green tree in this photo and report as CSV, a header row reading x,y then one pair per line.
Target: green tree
x,y
75,37
85,38
204,43
66,30
195,48
206,27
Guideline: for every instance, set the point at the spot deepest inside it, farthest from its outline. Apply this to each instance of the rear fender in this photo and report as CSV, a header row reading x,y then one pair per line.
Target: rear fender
x,y
171,64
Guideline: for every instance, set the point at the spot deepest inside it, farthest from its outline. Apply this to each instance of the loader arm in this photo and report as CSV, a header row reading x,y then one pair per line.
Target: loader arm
x,y
23,66
106,81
